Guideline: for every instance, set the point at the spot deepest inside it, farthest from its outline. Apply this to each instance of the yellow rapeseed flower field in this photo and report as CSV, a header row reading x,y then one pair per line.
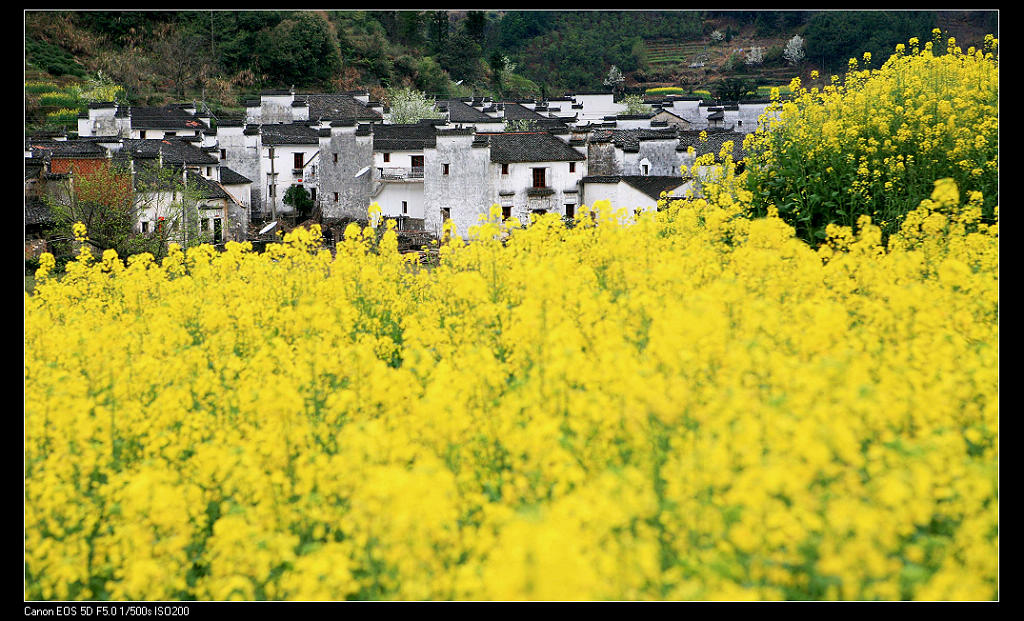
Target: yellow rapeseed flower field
x,y
696,405
684,404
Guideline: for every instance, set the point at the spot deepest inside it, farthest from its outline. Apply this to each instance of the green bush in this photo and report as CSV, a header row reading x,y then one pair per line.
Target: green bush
x,y
51,58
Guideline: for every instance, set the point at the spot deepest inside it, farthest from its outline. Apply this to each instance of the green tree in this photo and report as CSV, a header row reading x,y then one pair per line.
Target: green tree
x,y
732,89
440,25
833,37
429,77
110,202
240,37
517,86
410,27
520,125
461,58
301,50
475,26
297,197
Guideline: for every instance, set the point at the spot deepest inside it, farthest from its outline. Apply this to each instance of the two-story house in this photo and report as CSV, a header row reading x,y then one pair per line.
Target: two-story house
x,y
525,173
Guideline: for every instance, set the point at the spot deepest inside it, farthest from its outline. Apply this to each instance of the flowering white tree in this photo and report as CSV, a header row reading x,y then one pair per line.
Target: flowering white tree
x,y
615,78
635,104
794,50
755,56
717,35
407,105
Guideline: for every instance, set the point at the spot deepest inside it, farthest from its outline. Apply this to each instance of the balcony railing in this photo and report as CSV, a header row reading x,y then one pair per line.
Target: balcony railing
x,y
400,173
540,191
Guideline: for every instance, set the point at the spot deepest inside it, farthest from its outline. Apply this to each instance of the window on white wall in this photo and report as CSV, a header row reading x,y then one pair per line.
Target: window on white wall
x,y
539,178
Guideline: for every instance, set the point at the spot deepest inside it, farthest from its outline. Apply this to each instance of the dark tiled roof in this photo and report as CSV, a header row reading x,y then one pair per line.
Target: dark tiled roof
x,y
629,139
65,148
289,133
33,168
231,177
173,150
404,137
149,177
509,147
514,111
461,112
713,144
337,106
652,185
37,211
164,117
662,112
207,188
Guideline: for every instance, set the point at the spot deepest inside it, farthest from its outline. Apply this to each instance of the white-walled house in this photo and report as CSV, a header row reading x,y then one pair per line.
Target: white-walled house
x,y
398,167
238,186
221,215
177,120
289,155
525,173
105,119
286,106
596,105
160,206
471,113
238,149
633,192
640,152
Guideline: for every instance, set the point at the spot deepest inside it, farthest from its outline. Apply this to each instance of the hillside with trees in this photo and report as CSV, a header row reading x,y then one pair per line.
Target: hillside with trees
x,y
225,57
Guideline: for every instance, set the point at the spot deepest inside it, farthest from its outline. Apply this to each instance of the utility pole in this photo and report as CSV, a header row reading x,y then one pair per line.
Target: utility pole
x,y
273,185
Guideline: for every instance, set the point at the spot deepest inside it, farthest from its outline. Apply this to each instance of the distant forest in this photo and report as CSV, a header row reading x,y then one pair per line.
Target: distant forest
x,y
231,54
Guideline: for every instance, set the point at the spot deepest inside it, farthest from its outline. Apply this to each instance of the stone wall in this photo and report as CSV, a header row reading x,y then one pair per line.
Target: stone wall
x,y
466,192
355,152
242,155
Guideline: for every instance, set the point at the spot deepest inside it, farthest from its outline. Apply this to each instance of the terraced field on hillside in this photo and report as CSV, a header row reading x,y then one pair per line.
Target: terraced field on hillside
x,y
670,61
